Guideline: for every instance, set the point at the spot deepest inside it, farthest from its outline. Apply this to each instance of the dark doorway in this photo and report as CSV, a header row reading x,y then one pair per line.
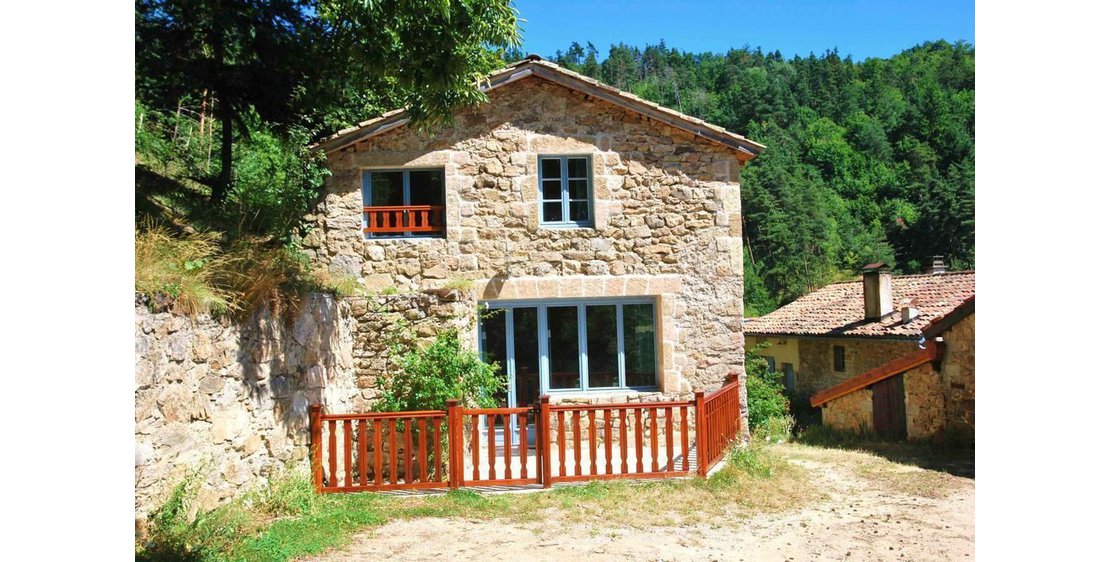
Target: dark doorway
x,y
888,406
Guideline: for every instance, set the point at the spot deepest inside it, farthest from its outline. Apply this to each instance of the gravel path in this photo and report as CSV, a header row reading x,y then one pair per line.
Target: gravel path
x,y
863,517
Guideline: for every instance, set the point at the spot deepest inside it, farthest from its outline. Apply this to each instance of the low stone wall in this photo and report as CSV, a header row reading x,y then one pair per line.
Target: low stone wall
x,y
230,400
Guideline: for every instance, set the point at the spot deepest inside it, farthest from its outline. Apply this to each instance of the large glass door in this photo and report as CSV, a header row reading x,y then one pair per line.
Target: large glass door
x,y
510,336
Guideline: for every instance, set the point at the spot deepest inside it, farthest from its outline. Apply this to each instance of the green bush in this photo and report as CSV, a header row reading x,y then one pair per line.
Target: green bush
x,y
426,377
775,429
766,398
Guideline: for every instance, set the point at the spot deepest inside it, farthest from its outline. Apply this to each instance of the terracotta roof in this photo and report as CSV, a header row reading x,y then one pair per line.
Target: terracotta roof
x,y
533,66
837,309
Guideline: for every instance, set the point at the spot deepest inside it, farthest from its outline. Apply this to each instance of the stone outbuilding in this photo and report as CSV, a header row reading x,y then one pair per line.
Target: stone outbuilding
x,y
602,232
904,371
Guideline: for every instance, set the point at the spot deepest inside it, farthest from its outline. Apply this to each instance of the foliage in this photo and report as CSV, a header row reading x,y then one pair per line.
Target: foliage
x,y
766,399
427,376
776,429
866,161
754,460
317,64
181,267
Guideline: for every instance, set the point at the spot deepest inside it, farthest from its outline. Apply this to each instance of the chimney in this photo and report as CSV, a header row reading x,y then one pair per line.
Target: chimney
x,y
937,266
878,293
909,310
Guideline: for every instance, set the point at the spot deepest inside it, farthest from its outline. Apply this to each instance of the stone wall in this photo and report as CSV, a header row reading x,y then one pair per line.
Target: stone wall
x,y
958,373
924,397
231,399
815,369
425,313
666,210
850,412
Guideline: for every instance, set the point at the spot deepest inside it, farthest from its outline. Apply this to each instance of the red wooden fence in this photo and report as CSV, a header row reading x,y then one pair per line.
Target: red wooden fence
x,y
475,447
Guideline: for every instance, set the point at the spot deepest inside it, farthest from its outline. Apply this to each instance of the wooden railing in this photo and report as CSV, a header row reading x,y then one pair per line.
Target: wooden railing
x,y
718,422
379,451
447,448
605,441
417,219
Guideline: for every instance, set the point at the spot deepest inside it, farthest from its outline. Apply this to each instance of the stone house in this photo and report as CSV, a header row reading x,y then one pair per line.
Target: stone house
x,y
602,230
905,370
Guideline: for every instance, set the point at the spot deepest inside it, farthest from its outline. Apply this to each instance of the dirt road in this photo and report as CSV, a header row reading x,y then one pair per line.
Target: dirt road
x,y
871,509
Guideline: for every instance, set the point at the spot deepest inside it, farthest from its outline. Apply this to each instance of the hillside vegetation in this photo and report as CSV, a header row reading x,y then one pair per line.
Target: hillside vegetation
x,y
866,161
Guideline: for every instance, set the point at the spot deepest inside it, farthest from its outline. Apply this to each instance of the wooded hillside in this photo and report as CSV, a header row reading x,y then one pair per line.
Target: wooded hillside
x,y
866,161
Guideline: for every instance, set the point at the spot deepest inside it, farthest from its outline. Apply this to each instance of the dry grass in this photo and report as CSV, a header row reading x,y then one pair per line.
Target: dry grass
x,y
181,267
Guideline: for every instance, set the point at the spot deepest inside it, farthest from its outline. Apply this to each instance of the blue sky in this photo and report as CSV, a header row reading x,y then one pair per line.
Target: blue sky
x,y
861,28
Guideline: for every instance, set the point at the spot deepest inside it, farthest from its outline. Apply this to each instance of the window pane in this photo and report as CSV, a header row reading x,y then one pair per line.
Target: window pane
x,y
578,189
601,345
492,335
579,211
553,212
549,168
387,189
553,190
562,346
576,167
426,187
639,345
526,358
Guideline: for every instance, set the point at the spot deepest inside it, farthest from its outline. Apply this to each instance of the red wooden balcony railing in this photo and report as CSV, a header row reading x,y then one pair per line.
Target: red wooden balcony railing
x,y
417,219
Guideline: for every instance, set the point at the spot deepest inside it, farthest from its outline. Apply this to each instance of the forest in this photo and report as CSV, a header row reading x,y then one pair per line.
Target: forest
x,y
866,161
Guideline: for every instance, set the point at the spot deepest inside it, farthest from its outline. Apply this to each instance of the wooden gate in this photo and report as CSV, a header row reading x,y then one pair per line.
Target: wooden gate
x,y
458,446
888,407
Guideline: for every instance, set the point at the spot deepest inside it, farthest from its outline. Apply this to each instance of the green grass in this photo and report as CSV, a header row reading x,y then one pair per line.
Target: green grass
x,y
287,520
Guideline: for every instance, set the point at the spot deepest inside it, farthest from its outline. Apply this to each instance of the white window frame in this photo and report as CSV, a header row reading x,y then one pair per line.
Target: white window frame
x,y
406,195
541,307
564,192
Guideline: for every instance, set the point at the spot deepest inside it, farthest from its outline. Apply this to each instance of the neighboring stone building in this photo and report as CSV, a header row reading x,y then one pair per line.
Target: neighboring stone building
x,y
605,229
905,370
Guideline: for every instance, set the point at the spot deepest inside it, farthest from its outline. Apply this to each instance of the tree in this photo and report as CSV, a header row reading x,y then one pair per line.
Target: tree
x,y
315,63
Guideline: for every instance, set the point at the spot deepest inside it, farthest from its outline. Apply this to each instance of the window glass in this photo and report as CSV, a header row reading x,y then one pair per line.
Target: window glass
x,y
526,355
492,334
578,189
552,212
579,211
426,187
552,190
387,189
601,346
838,358
576,167
639,344
562,346
550,168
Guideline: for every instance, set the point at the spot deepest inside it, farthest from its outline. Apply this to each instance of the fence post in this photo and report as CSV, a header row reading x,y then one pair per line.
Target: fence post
x,y
316,438
543,441
734,419
700,432
454,444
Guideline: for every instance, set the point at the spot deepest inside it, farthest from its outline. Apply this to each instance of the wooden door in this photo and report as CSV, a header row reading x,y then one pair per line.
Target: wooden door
x,y
888,406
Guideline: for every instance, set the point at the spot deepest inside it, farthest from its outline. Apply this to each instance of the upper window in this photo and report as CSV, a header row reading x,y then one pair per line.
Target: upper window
x,y
838,358
403,203
565,189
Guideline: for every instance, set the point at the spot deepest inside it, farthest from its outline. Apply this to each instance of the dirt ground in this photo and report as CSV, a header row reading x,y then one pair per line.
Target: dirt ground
x,y
872,509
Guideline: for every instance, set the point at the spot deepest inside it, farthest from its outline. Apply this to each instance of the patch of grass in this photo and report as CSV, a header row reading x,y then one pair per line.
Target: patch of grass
x,y
775,429
953,452
459,284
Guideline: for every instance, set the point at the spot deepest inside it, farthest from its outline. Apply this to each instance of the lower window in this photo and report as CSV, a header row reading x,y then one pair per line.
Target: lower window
x,y
571,345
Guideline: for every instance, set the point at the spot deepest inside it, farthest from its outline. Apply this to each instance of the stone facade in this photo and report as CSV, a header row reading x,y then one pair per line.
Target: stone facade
x,y
230,400
815,370
935,400
666,221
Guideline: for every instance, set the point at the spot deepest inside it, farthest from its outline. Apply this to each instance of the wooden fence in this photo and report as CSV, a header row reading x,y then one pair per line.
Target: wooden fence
x,y
459,446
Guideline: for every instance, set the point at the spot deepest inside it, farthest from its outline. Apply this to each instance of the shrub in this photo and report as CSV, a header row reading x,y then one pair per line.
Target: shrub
x,y
183,268
776,429
765,395
428,376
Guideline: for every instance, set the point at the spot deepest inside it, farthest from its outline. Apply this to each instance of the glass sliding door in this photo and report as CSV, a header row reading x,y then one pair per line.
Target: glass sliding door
x,y
639,345
563,356
526,356
602,352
